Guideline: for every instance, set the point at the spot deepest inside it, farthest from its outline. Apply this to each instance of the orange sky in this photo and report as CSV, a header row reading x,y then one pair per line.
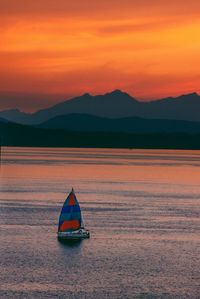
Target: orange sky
x,y
54,49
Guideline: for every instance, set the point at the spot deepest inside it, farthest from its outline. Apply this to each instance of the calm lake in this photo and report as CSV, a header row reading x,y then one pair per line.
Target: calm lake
x,y
142,208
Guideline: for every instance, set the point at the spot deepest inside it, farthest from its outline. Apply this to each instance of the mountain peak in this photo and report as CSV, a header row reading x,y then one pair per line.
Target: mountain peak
x,y
191,94
116,92
86,95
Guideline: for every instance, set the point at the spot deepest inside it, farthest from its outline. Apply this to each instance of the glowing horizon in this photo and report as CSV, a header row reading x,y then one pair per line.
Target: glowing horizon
x,y
60,50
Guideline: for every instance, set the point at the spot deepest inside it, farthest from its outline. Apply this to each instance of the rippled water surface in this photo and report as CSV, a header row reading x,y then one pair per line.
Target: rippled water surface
x,y
142,208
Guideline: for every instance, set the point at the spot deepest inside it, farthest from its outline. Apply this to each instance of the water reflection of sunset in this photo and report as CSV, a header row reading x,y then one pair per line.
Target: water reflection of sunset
x,y
159,166
142,208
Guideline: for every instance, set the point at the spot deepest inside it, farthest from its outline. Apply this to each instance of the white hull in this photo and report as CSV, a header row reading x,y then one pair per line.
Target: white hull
x,y
74,235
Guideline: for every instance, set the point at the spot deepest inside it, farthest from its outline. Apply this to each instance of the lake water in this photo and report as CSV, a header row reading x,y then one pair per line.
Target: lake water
x,y
142,208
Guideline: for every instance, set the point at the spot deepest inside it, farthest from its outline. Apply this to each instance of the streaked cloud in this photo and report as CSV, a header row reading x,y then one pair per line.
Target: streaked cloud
x,y
148,48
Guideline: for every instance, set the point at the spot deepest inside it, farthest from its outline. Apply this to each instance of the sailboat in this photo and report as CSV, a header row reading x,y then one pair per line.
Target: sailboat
x,y
71,225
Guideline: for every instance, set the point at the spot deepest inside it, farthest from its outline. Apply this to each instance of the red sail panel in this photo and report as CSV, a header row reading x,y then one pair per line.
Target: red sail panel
x,y
70,224
72,201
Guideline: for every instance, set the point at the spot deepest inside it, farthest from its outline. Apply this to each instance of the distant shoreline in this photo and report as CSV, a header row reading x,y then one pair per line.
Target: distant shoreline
x,y
111,148
26,136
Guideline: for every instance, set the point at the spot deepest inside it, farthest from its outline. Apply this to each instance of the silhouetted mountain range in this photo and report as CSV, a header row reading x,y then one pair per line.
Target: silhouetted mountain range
x,y
116,104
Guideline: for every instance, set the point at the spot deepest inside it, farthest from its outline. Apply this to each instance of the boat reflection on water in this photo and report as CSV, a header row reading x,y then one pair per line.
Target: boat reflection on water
x,y
70,243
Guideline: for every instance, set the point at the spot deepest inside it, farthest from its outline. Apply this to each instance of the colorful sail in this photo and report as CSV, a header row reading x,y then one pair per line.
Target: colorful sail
x,y
70,216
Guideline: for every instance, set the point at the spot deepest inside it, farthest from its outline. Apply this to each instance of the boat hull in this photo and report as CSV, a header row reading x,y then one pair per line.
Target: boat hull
x,y
74,235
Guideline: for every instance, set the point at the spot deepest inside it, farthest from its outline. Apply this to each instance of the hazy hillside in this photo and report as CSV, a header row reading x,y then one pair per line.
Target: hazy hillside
x,y
90,123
